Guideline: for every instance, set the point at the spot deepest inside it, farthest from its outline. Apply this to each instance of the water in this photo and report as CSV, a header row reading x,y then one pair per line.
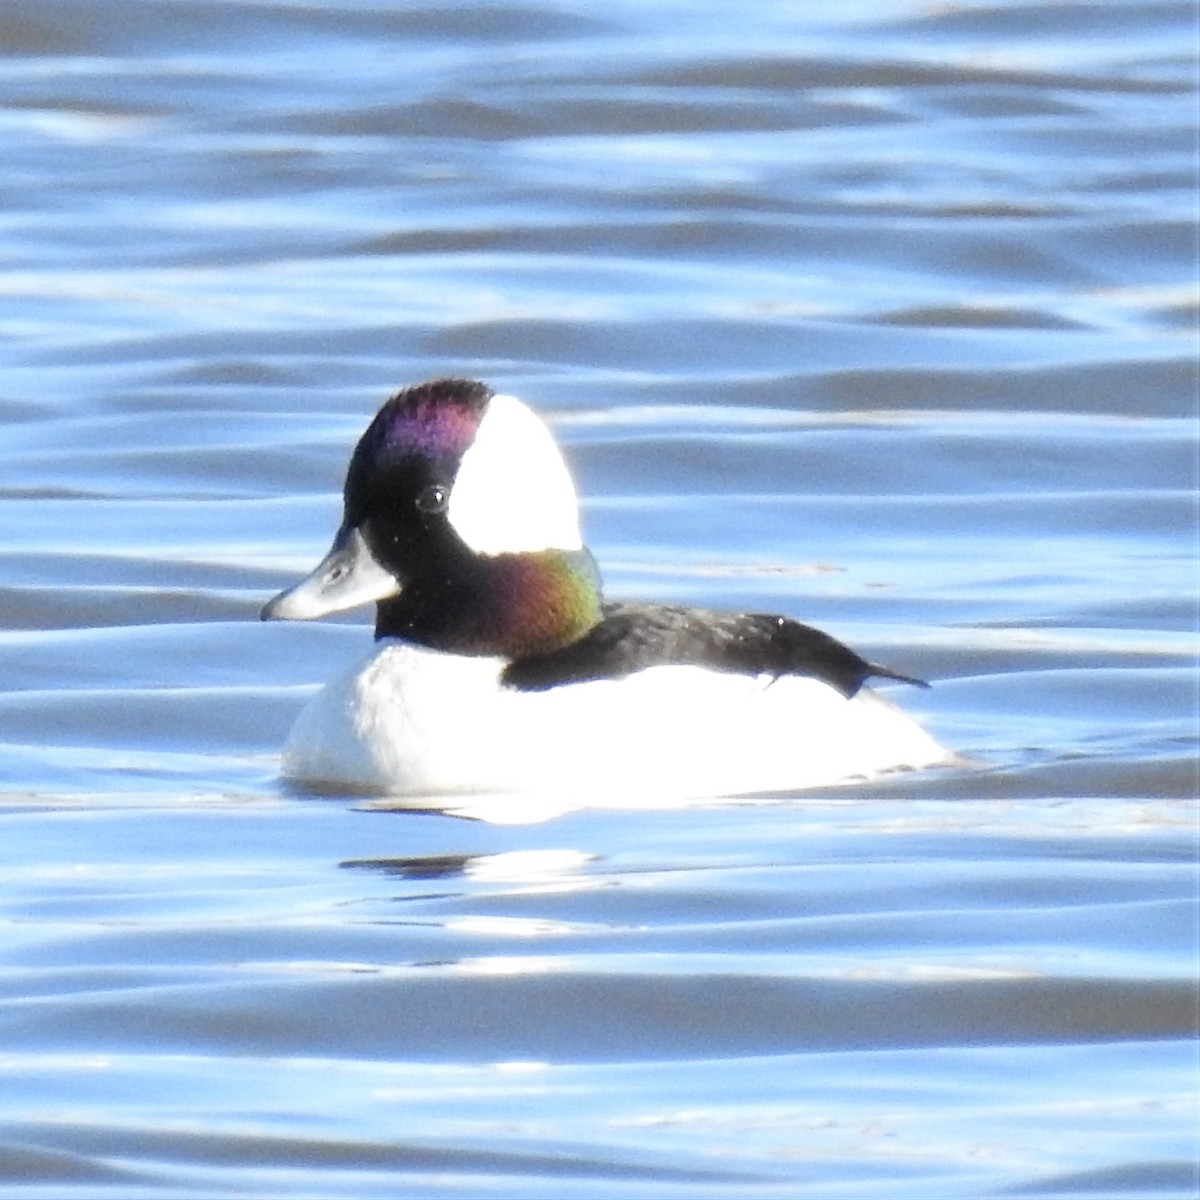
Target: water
x,y
880,315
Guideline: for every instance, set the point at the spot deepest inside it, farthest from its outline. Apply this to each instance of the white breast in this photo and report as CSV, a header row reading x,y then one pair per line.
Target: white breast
x,y
417,723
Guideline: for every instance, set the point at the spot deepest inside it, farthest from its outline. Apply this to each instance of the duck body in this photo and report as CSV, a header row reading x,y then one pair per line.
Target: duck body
x,y
406,720
499,668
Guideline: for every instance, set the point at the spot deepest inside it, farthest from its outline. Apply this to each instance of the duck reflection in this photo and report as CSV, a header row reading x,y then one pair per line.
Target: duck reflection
x,y
430,866
556,870
479,920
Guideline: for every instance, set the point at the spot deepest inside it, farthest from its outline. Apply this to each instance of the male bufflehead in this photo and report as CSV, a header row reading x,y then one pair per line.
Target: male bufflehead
x,y
499,667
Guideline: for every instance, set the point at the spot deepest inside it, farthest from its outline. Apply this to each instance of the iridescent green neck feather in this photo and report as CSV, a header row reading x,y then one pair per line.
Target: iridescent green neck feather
x,y
509,605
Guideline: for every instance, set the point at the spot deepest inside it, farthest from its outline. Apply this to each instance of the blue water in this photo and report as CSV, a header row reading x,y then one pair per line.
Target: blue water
x,y
880,315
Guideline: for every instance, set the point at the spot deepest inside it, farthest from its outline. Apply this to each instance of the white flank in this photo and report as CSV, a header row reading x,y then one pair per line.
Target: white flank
x,y
513,492
417,723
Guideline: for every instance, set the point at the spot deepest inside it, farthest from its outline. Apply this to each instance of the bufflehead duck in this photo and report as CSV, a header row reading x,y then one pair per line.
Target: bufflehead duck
x,y
499,667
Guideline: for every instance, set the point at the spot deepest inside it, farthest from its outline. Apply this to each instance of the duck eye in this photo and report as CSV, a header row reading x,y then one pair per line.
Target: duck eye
x,y
433,499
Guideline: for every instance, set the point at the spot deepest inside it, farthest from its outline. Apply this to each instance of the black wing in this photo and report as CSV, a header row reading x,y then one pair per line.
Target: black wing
x,y
632,637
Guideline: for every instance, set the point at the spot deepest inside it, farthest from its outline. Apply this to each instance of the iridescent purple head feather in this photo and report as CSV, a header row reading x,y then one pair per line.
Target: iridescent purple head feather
x,y
434,422
438,420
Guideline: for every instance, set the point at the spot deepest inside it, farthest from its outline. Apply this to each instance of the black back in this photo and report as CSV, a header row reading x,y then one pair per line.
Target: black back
x,y
632,637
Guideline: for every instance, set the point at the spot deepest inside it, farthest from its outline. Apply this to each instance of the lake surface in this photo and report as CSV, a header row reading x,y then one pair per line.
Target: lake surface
x,y
881,315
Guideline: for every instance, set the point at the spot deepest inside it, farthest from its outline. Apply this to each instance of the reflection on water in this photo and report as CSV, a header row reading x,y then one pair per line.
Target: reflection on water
x,y
433,866
882,316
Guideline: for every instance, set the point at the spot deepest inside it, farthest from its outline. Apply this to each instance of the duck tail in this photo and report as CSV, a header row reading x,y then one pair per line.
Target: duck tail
x,y
878,671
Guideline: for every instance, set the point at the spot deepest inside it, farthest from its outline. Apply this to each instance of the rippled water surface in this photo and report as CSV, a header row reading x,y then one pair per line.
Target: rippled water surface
x,y
881,315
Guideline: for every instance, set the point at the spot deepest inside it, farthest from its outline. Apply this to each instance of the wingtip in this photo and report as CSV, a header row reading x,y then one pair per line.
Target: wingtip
x,y
881,672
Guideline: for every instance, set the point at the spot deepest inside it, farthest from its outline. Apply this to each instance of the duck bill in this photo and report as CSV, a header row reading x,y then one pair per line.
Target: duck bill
x,y
347,576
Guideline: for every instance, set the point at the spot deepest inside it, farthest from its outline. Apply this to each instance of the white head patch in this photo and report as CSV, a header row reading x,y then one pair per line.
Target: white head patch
x,y
513,492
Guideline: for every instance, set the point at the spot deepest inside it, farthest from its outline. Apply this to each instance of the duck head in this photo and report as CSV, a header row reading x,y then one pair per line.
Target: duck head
x,y
461,524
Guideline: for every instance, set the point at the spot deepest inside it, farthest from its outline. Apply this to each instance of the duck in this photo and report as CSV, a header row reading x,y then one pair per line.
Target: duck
x,y
500,667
